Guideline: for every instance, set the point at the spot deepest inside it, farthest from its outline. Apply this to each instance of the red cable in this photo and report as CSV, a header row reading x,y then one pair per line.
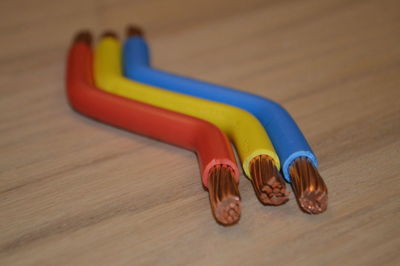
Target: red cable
x,y
210,144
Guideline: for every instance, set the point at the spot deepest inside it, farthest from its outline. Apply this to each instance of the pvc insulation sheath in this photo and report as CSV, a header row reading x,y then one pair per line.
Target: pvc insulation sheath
x,y
210,143
241,127
286,136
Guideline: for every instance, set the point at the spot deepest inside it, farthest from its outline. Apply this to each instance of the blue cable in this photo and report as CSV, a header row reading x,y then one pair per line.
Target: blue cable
x,y
287,138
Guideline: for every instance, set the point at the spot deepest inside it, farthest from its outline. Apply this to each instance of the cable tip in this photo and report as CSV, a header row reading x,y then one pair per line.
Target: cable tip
x,y
83,36
268,183
109,33
309,187
133,30
228,211
224,195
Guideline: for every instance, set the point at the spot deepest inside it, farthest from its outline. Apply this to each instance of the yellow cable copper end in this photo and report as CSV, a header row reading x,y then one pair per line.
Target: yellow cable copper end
x,y
109,33
308,186
268,183
224,195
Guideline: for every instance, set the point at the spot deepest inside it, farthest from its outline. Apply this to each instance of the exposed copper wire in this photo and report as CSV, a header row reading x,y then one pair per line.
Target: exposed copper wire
x,y
109,33
224,195
132,30
83,36
308,186
268,183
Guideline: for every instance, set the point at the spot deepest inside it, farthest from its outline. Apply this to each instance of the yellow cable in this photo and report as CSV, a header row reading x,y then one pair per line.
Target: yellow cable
x,y
241,127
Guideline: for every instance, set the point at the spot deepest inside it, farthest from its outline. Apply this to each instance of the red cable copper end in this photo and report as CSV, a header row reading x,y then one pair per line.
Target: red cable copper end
x,y
268,183
132,30
224,195
309,188
83,36
109,33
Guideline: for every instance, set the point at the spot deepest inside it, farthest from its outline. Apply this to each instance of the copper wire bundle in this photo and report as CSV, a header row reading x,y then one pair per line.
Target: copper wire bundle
x,y
224,195
270,188
310,189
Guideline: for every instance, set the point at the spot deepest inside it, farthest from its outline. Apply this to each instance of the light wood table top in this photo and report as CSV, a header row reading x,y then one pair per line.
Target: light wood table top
x,y
77,192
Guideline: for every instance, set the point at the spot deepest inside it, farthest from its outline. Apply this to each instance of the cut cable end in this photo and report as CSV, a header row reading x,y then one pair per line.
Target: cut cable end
x,y
224,195
133,30
228,211
309,187
314,203
110,34
269,186
84,36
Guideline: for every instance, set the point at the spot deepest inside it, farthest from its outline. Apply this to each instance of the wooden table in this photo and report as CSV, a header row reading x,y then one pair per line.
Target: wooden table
x,y
77,192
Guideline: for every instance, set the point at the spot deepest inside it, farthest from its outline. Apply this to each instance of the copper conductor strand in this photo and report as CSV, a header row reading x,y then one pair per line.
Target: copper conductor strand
x,y
224,195
133,30
83,36
308,186
268,183
109,33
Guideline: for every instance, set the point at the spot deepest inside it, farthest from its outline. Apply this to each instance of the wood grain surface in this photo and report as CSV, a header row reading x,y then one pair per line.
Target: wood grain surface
x,y
77,192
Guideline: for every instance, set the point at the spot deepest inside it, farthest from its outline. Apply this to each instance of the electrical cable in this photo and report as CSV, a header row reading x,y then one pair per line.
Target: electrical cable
x,y
286,136
219,171
242,128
